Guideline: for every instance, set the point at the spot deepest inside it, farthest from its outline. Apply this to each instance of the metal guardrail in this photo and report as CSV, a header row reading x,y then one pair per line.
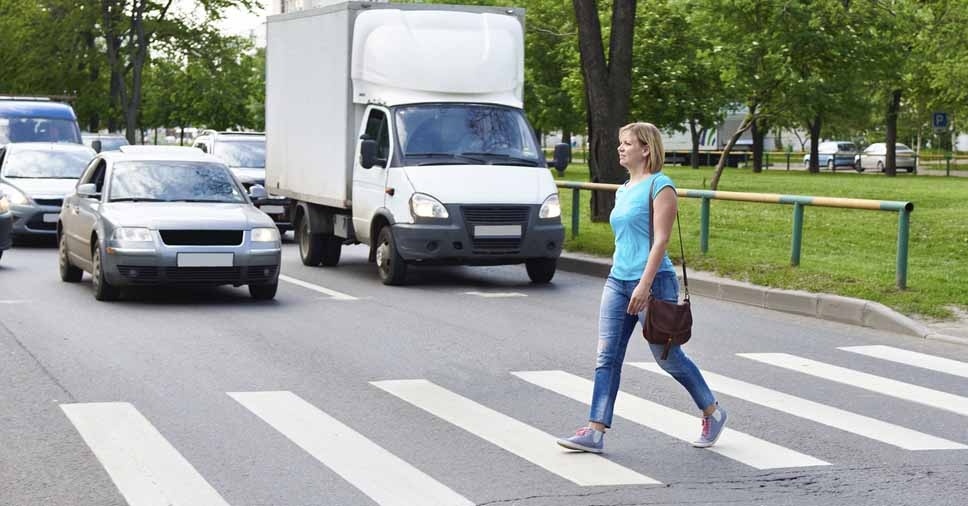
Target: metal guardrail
x,y
903,209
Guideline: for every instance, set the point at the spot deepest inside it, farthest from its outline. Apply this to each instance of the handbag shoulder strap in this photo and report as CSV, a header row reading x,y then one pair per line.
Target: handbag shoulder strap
x,y
682,250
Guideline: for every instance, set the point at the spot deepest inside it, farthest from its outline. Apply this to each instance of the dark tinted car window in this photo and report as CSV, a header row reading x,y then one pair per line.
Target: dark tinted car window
x,y
173,181
38,130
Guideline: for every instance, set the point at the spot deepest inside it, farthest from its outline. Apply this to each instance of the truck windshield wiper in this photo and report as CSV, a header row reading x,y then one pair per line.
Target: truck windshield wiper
x,y
519,160
444,155
137,199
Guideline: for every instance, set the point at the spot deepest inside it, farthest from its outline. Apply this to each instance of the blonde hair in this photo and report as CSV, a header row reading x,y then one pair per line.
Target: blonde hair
x,y
648,135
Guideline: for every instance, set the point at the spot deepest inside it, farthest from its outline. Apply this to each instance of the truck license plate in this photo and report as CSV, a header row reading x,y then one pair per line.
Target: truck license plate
x,y
497,230
205,259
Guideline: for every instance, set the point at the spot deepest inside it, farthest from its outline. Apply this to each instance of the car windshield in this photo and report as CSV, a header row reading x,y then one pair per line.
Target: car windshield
x,y
112,143
173,181
455,134
20,129
242,153
846,146
46,164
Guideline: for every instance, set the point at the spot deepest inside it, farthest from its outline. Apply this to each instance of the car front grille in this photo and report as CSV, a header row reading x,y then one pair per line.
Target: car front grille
x,y
496,215
198,275
36,222
201,237
49,202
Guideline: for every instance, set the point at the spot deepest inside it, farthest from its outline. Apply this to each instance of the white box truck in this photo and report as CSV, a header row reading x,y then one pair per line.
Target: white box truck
x,y
401,127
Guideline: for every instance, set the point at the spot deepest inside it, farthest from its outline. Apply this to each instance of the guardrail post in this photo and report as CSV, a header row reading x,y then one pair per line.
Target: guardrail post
x,y
575,211
903,224
704,225
797,234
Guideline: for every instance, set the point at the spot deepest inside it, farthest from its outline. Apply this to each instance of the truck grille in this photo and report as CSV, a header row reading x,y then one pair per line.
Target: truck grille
x,y
496,215
201,237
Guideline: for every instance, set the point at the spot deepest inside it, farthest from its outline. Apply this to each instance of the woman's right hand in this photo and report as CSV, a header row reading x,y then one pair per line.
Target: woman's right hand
x,y
640,298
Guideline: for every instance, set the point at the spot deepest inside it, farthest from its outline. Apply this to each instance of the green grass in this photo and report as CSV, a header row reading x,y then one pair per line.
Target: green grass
x,y
848,252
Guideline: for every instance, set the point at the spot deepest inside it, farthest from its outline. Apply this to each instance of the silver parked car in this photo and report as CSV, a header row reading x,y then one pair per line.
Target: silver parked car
x,y
166,215
35,176
6,223
874,157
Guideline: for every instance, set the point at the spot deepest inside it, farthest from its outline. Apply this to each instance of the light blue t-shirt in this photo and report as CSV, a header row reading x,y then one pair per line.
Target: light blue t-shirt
x,y
630,223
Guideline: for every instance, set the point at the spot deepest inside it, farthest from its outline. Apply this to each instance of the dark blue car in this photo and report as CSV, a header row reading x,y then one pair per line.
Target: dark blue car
x,y
37,120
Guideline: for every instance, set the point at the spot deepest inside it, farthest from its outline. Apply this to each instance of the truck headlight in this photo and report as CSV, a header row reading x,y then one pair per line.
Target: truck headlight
x,y
132,234
268,234
15,196
425,206
551,208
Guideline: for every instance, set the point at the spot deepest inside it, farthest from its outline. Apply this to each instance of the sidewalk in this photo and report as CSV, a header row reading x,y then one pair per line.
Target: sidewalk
x,y
818,305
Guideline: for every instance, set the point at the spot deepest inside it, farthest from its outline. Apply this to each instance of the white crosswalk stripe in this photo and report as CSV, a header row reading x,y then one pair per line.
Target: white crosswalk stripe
x,y
512,435
144,466
861,425
733,444
912,358
381,475
878,384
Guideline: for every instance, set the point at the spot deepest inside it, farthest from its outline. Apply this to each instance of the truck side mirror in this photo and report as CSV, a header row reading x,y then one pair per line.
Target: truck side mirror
x,y
561,158
368,153
96,145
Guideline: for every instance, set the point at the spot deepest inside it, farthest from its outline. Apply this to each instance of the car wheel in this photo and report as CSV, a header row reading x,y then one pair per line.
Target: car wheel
x,y
332,246
310,245
880,166
389,263
830,166
68,273
266,291
103,290
541,270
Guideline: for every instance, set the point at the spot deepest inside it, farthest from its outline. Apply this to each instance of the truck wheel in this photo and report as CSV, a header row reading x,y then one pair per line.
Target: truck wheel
x,y
263,291
541,270
389,263
310,244
103,290
332,246
68,273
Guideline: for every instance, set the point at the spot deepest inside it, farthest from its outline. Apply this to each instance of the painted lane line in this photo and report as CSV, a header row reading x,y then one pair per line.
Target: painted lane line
x,y
854,423
496,295
333,294
877,384
912,358
142,463
381,475
733,444
521,439
14,301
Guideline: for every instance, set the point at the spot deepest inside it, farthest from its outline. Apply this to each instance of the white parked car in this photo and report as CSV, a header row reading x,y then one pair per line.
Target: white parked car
x,y
874,157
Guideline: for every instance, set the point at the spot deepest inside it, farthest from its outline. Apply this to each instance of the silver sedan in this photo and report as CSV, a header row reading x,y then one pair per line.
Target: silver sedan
x,y
150,216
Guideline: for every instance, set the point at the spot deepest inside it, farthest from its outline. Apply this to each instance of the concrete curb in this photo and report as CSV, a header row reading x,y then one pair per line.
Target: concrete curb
x,y
824,306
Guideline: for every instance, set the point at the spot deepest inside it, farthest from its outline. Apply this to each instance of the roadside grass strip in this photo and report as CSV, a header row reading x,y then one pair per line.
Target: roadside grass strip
x,y
381,475
523,440
884,386
733,444
847,421
145,467
912,358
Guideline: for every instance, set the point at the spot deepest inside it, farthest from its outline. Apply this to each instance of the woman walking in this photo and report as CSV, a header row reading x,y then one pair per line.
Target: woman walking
x,y
637,270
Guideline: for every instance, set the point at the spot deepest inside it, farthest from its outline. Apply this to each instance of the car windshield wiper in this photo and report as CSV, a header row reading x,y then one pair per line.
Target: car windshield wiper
x,y
531,162
444,155
137,199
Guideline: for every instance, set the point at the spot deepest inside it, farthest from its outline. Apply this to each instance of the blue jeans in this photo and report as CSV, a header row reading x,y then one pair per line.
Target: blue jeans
x,y
615,326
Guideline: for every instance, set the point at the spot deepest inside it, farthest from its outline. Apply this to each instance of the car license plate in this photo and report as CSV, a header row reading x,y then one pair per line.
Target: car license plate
x,y
205,259
497,231
50,218
273,209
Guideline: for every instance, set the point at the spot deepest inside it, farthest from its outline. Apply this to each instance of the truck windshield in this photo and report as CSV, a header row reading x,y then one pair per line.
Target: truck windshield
x,y
26,129
463,134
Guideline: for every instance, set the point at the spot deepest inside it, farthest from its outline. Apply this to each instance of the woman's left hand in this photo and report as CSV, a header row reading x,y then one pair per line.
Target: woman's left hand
x,y
640,298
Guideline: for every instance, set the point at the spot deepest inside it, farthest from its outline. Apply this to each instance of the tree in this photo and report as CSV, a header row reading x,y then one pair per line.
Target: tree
x,y
608,85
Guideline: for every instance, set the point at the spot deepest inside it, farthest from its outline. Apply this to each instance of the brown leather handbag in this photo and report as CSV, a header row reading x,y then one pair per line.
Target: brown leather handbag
x,y
667,323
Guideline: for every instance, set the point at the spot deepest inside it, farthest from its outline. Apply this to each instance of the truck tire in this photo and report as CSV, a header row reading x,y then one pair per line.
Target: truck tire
x,y
310,244
541,270
389,263
103,291
332,247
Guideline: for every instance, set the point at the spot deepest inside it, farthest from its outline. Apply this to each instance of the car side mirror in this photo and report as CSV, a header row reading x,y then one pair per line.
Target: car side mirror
x,y
96,145
368,153
561,158
257,192
88,190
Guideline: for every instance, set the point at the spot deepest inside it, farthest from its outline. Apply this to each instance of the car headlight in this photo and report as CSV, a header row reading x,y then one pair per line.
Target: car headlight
x,y
425,206
15,196
268,234
551,208
132,234
4,204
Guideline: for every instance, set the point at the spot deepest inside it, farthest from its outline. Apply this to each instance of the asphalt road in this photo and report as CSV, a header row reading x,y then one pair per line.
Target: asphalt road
x,y
343,391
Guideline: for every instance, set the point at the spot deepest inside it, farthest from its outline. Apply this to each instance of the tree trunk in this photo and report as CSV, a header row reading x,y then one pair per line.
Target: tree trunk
x,y
566,139
890,159
814,127
694,133
743,127
608,87
759,129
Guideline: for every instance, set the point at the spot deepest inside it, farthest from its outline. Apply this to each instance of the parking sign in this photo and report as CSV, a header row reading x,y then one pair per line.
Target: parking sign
x,y
939,121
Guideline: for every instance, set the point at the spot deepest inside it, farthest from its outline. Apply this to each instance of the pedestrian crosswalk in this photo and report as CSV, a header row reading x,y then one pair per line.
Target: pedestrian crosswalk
x,y
147,469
